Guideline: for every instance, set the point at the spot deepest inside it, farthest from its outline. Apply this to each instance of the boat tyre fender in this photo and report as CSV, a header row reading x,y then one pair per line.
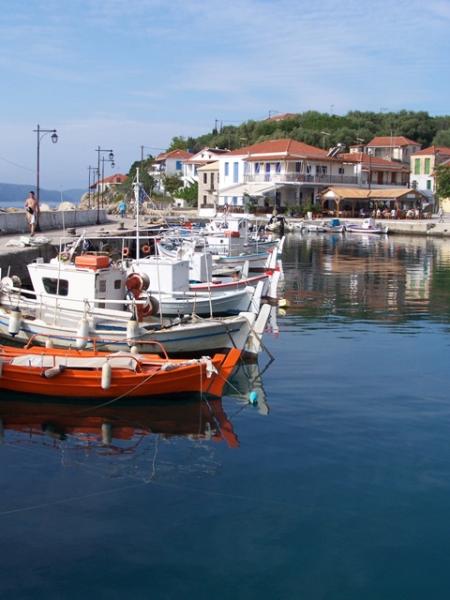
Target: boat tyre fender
x,y
126,252
145,249
149,308
134,284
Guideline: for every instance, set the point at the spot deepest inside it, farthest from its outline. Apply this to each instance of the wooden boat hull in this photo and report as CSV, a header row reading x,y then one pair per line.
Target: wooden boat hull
x,y
86,382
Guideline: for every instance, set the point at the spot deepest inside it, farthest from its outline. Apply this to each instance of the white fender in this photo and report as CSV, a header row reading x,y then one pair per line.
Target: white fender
x,y
106,376
82,333
53,371
132,329
15,321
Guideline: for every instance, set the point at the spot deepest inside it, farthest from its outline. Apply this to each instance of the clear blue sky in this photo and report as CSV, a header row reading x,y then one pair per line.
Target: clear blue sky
x,y
123,73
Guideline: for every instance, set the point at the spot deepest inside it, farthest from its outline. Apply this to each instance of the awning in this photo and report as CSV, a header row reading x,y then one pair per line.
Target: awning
x,y
251,189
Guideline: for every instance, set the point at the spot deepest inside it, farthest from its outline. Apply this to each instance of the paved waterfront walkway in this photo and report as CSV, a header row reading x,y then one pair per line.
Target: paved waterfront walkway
x,y
112,227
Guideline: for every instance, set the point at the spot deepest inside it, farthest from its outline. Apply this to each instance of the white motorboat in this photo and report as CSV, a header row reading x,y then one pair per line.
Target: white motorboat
x,y
368,226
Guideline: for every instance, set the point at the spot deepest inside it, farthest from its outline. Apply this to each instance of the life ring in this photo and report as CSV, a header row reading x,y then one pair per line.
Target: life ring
x,y
126,252
145,249
64,256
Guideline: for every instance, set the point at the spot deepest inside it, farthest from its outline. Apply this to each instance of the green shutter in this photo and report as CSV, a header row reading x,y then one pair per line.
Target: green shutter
x,y
417,166
427,166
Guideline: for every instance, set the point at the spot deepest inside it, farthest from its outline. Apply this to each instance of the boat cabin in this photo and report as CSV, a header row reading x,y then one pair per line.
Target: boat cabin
x,y
89,277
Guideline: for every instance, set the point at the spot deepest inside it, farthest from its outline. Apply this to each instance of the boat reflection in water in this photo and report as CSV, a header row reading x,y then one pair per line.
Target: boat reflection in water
x,y
138,439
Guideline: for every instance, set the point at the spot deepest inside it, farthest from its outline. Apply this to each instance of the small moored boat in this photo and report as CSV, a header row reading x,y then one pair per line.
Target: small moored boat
x,y
70,373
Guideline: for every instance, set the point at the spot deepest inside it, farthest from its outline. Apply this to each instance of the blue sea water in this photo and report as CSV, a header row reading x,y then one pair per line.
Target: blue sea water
x,y
335,486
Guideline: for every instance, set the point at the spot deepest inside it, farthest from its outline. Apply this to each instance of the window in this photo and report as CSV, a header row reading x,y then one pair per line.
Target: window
x,y
235,172
278,167
257,167
117,284
428,184
205,177
178,165
417,166
234,200
341,170
427,166
212,181
227,169
102,285
205,199
56,286
298,167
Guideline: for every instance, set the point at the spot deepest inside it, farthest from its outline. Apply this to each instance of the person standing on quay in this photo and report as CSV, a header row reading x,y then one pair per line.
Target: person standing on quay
x,y
32,211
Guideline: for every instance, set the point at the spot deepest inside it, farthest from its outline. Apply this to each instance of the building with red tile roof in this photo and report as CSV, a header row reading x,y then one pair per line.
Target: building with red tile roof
x,y
393,147
109,182
423,166
282,117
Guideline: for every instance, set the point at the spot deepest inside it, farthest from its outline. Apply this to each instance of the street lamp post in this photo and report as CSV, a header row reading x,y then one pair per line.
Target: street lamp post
x,y
40,133
103,174
99,151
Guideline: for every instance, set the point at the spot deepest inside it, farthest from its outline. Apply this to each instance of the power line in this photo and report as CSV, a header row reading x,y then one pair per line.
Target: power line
x,y
17,165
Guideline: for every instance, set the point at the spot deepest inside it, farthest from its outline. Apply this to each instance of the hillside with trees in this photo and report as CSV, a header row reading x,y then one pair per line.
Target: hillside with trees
x,y
309,127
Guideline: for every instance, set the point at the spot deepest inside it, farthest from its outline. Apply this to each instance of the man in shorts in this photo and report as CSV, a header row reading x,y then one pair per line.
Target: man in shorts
x,y
32,212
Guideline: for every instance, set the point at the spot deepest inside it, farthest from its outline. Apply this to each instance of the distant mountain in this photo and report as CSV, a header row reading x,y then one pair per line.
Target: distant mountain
x,y
12,194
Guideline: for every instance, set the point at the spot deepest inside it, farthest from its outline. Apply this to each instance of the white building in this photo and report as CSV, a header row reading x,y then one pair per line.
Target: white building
x,y
168,164
195,161
279,173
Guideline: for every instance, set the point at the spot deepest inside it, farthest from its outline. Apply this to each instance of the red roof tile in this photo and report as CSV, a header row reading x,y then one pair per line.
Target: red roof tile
x,y
180,154
395,140
282,117
280,149
375,161
433,150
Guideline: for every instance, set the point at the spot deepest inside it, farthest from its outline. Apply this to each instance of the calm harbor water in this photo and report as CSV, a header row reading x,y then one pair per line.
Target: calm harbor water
x,y
336,486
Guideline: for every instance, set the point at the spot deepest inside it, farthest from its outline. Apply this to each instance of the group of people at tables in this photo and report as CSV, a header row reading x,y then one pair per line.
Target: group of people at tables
x,y
393,213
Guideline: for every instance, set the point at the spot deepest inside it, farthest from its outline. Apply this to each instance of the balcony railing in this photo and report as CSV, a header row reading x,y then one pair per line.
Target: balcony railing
x,y
301,178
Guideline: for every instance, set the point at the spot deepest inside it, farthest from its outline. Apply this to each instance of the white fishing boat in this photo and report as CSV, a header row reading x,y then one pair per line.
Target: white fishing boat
x,y
65,315
367,226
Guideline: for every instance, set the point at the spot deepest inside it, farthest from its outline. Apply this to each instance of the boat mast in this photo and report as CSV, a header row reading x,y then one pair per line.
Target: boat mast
x,y
137,194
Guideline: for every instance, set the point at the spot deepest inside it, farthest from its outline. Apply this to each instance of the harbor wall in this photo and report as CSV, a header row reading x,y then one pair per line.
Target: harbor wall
x,y
15,222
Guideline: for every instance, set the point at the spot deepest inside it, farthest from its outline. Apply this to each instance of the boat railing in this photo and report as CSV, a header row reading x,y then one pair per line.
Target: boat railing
x,y
94,340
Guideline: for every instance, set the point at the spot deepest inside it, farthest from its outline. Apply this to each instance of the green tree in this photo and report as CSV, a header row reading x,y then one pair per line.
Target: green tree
x,y
443,181
147,180
442,138
172,183
190,194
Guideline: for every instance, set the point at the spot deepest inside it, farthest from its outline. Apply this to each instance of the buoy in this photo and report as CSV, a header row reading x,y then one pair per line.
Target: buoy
x,y
253,397
106,376
132,329
82,333
15,320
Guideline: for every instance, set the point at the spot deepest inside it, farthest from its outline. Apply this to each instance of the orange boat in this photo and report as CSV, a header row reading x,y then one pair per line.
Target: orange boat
x,y
70,373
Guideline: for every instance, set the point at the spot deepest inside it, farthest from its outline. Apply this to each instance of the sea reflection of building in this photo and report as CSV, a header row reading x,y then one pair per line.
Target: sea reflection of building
x,y
378,276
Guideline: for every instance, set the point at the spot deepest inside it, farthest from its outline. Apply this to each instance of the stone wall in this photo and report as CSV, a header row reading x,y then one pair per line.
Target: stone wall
x,y
15,222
